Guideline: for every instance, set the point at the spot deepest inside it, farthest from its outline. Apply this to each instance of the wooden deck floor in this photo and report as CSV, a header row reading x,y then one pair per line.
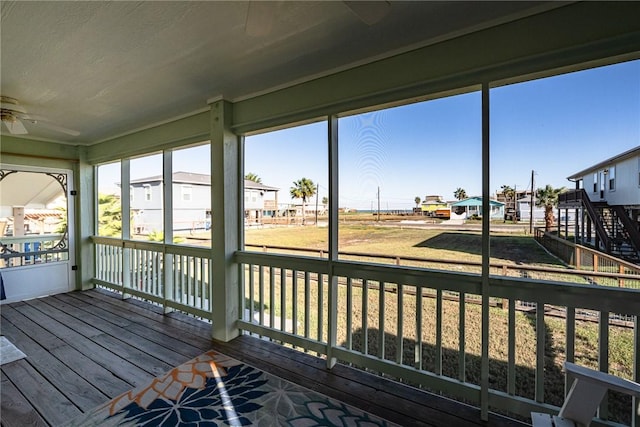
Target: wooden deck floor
x,y
84,348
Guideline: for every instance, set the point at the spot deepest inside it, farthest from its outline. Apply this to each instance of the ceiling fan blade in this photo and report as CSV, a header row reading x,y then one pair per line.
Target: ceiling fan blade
x,y
51,126
15,127
260,16
369,12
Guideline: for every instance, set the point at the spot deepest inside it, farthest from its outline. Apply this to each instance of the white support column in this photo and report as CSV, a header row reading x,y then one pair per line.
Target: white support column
x,y
85,221
486,209
225,224
167,261
125,206
333,238
241,216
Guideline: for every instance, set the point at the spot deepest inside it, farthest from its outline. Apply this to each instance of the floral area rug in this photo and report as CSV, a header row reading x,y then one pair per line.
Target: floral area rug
x,y
213,390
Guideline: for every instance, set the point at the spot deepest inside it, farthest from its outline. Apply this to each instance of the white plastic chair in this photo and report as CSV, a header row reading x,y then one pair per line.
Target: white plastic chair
x,y
584,397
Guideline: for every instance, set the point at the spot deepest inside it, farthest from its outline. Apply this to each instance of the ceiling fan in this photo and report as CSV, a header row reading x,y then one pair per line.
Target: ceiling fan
x,y
12,114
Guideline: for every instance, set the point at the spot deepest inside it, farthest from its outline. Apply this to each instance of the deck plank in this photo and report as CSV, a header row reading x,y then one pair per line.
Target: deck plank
x,y
15,408
84,366
139,348
50,403
141,327
135,353
122,368
76,388
173,324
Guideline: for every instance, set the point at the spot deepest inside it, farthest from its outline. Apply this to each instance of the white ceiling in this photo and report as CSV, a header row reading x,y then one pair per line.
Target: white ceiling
x,y
108,68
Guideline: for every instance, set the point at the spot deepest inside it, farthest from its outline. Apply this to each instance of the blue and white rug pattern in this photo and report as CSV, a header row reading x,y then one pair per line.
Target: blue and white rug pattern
x,y
215,390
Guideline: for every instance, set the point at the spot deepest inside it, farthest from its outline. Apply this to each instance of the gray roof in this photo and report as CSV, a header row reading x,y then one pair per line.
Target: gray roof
x,y
623,156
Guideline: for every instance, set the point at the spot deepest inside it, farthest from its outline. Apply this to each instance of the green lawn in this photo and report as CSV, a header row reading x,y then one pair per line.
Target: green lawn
x,y
410,242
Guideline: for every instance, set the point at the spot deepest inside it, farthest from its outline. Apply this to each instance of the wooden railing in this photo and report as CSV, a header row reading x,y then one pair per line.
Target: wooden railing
x,y
177,277
396,321
580,197
411,322
586,259
630,227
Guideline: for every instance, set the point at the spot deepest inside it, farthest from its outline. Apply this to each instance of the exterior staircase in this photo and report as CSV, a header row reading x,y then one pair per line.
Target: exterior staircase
x,y
616,234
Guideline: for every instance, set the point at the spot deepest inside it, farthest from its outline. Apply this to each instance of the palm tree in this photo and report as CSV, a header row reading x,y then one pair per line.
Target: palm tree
x,y
508,192
253,177
548,197
460,193
304,189
509,201
109,215
417,200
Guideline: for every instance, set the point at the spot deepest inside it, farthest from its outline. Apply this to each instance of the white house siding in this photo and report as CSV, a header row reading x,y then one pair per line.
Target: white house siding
x,y
627,185
187,214
524,208
191,214
147,215
587,184
253,199
627,191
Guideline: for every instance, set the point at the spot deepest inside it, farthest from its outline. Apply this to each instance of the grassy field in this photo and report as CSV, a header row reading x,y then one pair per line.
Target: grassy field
x,y
456,245
411,242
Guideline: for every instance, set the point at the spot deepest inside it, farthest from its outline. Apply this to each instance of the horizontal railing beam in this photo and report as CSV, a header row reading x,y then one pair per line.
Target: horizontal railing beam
x,y
302,263
594,297
283,336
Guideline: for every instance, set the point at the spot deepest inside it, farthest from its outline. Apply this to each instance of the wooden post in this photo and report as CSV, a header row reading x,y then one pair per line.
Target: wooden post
x,y
167,259
486,192
125,201
225,221
333,255
505,301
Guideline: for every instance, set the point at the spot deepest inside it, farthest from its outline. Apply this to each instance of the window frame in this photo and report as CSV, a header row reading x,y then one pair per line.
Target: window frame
x,y
186,192
148,194
611,177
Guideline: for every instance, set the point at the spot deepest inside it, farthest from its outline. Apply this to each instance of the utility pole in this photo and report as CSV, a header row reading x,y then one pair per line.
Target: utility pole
x,y
515,203
317,192
531,207
378,220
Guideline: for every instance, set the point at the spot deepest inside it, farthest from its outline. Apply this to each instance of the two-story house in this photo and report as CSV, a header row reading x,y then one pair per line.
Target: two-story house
x,y
607,199
191,202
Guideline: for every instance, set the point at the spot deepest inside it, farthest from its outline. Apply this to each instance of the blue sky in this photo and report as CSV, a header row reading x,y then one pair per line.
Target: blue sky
x,y
555,126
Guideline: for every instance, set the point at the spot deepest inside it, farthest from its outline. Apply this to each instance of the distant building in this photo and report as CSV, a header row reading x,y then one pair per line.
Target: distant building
x,y
434,206
191,202
259,201
524,209
464,209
